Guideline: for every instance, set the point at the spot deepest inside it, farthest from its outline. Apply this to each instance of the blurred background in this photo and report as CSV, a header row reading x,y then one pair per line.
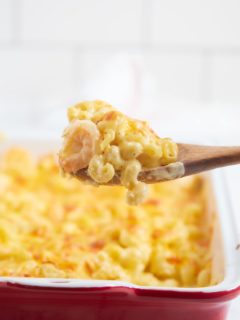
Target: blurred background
x,y
176,59
175,63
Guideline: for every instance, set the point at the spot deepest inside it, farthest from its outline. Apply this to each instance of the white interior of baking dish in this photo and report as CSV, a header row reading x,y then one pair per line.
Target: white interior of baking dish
x,y
226,255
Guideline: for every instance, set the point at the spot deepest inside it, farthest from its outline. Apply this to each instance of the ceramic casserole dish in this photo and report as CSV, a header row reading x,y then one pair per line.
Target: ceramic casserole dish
x,y
45,299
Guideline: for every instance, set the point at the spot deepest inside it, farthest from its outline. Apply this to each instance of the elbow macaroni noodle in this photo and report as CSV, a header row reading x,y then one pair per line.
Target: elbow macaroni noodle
x,y
122,147
61,228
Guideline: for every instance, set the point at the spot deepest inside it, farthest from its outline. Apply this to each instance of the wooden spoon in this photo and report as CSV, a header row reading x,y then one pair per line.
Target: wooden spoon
x,y
191,159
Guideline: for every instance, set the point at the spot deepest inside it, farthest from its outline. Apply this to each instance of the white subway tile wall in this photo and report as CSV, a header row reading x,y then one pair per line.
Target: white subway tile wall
x,y
5,20
49,47
196,23
226,78
31,76
178,75
82,21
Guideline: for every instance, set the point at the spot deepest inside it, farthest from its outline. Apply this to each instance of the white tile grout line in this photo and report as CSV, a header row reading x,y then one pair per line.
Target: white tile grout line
x,y
75,67
207,77
16,22
146,27
119,46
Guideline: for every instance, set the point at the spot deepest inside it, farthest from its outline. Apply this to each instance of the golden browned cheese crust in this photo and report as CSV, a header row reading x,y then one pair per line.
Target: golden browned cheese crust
x,y
55,227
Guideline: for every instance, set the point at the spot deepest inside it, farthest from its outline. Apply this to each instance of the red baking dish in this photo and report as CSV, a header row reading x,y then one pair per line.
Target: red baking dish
x,y
45,299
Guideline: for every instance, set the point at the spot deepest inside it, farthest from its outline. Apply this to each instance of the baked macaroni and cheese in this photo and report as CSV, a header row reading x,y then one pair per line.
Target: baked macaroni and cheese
x,y
109,144
61,228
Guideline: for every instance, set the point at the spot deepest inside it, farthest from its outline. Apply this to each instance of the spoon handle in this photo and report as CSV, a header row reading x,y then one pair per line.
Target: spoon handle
x,y
202,158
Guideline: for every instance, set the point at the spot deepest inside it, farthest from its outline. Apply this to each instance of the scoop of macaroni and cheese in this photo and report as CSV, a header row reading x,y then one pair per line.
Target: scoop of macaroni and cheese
x,y
109,144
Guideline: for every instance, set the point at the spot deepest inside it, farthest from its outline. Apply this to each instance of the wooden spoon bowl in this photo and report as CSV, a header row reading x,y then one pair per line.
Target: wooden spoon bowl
x,y
192,159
